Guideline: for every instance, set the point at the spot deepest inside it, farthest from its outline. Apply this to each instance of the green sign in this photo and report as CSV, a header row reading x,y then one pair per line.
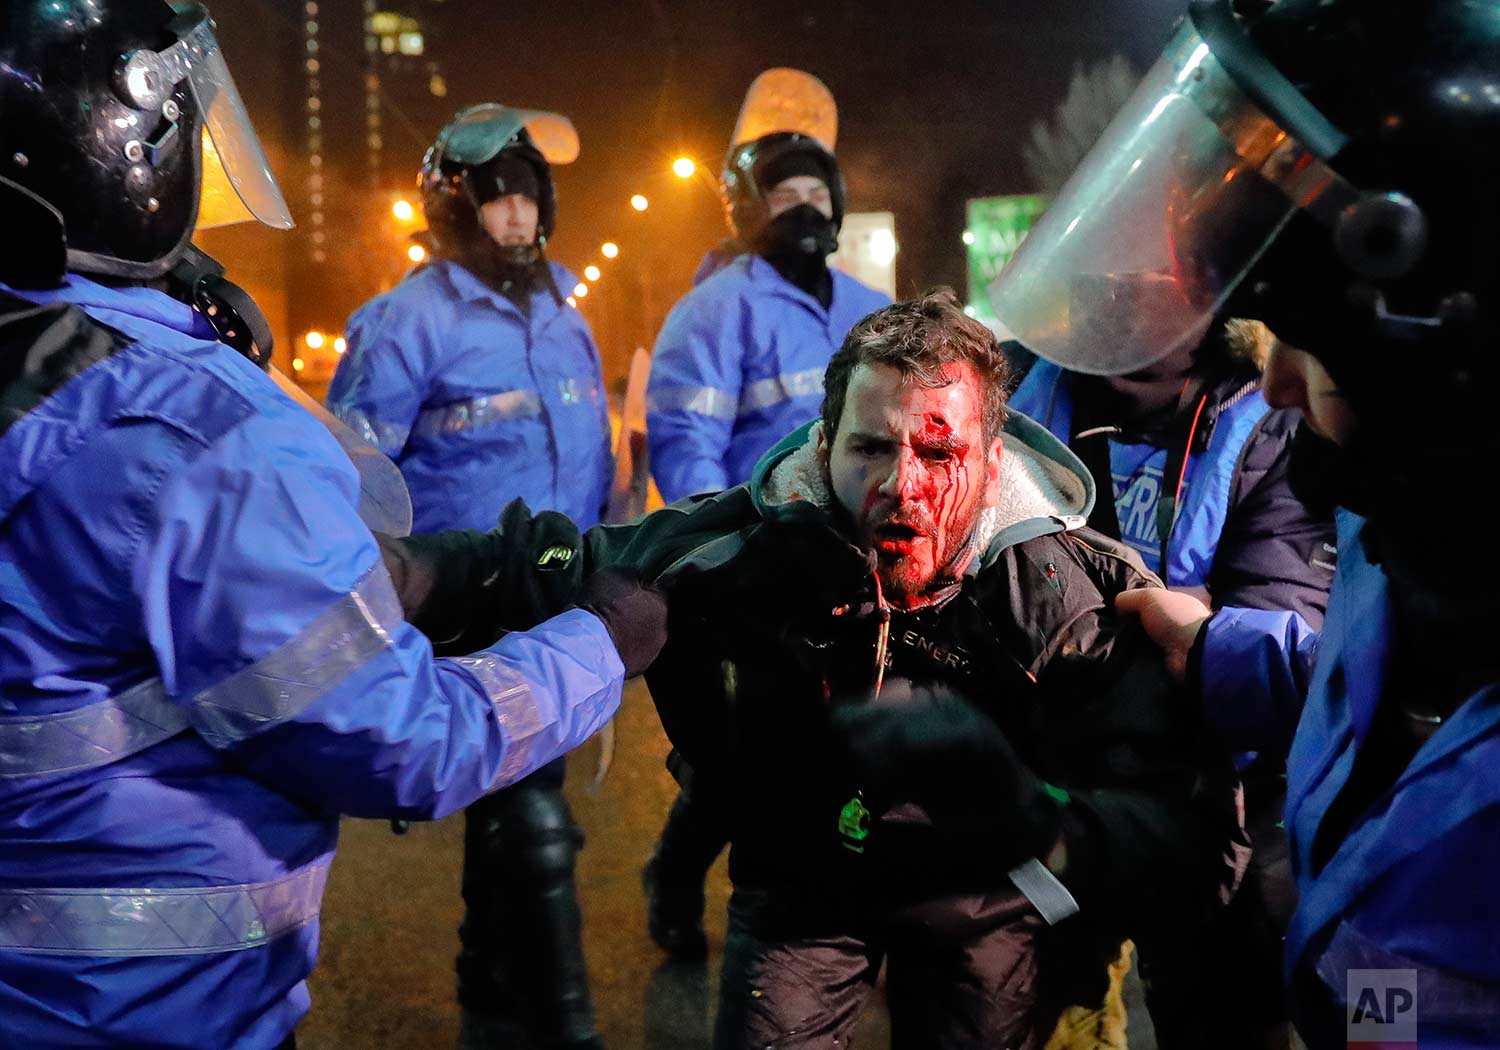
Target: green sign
x,y
996,226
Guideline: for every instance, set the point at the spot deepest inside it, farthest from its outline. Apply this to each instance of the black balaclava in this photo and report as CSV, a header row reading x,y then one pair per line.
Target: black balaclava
x,y
512,270
799,240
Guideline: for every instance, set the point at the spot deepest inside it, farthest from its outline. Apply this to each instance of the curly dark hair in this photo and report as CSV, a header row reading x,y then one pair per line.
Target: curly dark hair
x,y
918,338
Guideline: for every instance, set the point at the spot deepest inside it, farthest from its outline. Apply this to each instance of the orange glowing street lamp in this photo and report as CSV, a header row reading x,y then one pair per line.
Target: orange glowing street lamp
x,y
404,211
591,272
639,202
609,249
313,339
580,289
683,167
416,253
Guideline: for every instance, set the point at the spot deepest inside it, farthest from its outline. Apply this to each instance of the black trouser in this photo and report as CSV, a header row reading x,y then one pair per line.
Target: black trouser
x,y
961,973
521,959
1233,968
695,834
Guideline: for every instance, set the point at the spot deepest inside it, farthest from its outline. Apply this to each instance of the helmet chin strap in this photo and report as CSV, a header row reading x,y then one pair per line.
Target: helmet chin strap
x,y
198,280
36,255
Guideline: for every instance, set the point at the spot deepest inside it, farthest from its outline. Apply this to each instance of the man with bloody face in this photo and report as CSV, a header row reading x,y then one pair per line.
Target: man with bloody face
x,y
895,652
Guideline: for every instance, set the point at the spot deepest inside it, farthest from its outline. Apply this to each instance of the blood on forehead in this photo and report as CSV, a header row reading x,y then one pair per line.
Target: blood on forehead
x,y
937,435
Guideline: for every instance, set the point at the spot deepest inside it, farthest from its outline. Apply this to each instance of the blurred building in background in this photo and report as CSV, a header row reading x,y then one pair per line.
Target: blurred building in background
x,y
939,104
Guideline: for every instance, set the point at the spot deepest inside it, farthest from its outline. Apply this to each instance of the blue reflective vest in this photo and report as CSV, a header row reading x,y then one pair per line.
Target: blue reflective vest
x,y
477,402
739,365
1138,470
202,664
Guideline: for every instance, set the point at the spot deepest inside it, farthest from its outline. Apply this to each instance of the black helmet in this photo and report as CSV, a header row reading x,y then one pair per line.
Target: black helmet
x,y
102,107
751,171
1398,255
788,125
1329,167
486,152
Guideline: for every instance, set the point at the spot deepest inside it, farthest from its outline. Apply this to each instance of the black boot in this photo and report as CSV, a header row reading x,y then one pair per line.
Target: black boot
x,y
674,876
522,982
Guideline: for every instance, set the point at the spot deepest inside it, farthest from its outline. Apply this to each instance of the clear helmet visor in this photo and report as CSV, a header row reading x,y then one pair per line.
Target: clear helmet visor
x,y
788,100
1163,218
480,132
237,179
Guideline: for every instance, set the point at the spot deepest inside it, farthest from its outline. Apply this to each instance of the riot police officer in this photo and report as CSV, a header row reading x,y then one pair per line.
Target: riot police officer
x,y
1330,168
205,658
484,386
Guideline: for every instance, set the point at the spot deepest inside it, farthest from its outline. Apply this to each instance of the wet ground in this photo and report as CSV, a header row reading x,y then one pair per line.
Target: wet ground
x,y
385,975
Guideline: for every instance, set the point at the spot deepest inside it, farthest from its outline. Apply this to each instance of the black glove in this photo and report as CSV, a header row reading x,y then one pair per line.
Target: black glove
x,y
464,588
635,615
932,747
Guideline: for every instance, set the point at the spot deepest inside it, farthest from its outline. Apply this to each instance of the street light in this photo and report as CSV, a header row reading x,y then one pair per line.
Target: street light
x,y
298,364
591,272
639,203
968,236
572,301
683,167
416,253
580,289
313,339
340,345
403,211
609,249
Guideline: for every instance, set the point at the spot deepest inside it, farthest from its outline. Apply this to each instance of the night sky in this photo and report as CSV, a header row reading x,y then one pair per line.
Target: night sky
x,y
935,99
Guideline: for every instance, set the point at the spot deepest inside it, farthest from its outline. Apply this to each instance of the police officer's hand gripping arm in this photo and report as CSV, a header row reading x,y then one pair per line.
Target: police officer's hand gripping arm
x,y
1250,667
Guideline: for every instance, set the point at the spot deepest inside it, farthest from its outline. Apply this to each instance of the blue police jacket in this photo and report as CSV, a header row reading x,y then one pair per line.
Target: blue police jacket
x,y
202,664
1204,505
477,402
1410,891
739,365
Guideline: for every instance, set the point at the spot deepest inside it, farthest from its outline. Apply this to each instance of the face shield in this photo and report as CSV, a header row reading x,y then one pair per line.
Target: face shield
x,y
237,179
787,100
480,132
1179,198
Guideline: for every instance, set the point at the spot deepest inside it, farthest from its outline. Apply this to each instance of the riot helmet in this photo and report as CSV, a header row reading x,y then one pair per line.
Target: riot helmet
x,y
1328,167
114,116
487,152
788,125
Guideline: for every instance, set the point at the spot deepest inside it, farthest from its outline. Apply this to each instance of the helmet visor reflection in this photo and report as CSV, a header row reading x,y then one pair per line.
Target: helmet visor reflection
x,y
1160,222
480,132
236,150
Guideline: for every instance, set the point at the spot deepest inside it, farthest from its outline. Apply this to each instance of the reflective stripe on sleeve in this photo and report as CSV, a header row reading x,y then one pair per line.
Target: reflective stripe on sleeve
x,y
304,667
764,393
390,438
700,400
